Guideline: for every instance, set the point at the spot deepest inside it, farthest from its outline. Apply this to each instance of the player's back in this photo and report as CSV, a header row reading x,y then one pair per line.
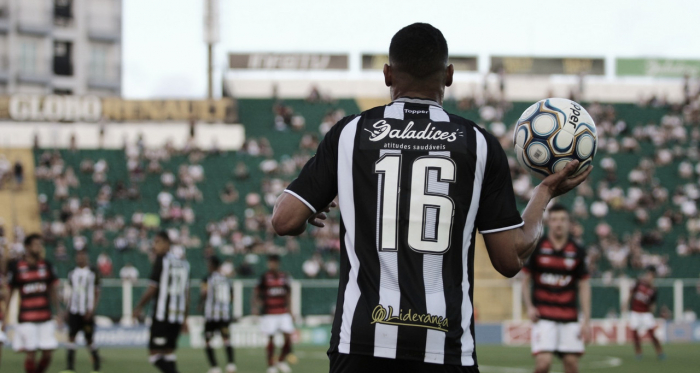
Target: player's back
x,y
217,306
171,273
414,183
82,282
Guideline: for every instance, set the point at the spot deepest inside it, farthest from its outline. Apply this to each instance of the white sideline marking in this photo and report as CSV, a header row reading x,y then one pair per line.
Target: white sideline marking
x,y
607,362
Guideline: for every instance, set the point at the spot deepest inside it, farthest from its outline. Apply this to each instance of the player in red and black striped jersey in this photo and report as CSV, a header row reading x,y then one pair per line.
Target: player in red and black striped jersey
x,y
273,294
36,281
555,279
642,305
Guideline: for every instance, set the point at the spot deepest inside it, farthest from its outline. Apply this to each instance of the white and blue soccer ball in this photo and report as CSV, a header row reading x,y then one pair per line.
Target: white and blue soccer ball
x,y
553,132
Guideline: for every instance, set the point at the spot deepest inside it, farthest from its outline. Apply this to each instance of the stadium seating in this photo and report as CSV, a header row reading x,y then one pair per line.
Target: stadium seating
x,y
258,117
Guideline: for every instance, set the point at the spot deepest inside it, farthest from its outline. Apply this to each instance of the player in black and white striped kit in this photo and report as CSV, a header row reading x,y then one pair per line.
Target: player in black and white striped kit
x,y
170,285
216,297
84,283
414,183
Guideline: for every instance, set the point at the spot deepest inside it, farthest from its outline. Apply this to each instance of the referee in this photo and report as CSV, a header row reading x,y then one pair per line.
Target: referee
x,y
414,183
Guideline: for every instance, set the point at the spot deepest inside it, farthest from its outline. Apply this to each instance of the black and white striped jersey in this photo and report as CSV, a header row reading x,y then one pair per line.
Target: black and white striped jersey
x,y
172,277
414,183
83,283
217,305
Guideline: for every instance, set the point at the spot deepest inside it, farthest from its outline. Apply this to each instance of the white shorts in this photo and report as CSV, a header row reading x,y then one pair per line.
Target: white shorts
x,y
561,337
31,336
271,324
642,321
3,337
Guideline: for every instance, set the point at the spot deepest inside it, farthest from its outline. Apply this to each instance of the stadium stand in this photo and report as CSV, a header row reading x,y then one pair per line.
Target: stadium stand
x,y
639,207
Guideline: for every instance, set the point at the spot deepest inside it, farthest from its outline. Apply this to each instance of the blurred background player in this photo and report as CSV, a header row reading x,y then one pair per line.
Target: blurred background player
x,y
3,337
272,294
170,287
36,281
642,307
84,283
554,275
216,296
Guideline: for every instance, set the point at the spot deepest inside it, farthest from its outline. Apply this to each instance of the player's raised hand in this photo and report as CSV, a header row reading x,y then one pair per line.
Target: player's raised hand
x,y
562,182
316,218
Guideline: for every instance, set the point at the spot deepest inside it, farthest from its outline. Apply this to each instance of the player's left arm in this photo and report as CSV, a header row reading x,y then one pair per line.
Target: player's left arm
x,y
54,298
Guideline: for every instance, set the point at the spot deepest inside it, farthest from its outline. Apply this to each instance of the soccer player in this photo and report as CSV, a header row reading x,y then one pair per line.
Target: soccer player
x,y
170,286
3,337
555,276
642,306
216,296
85,294
36,281
272,295
414,183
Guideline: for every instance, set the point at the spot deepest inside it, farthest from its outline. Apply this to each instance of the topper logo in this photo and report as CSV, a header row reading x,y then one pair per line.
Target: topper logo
x,y
383,129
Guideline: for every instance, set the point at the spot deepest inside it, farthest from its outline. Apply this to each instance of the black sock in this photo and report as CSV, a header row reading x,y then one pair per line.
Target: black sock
x,y
172,367
211,356
95,360
162,365
229,354
71,359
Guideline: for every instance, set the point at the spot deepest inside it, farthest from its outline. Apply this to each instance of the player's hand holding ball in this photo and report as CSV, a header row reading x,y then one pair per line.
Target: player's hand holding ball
x,y
555,140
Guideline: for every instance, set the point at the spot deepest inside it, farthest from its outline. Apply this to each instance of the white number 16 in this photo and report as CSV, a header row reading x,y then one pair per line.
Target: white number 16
x,y
430,213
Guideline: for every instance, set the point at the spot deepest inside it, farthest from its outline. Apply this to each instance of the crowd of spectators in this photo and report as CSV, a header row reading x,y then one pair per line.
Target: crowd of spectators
x,y
634,187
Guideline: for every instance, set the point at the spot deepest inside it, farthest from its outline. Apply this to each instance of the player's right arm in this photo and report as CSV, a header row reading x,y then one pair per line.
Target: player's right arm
x,y
203,293
510,249
311,194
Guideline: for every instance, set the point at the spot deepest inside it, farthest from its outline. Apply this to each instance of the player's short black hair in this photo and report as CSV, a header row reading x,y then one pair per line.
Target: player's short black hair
x,y
558,207
273,258
31,237
215,261
164,235
651,269
418,50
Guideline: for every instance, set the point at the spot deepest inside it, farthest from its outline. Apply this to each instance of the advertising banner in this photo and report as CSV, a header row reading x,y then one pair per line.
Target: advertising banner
x,y
548,66
288,61
657,67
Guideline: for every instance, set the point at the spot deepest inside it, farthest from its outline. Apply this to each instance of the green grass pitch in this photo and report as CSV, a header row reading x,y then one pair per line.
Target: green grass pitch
x,y
681,358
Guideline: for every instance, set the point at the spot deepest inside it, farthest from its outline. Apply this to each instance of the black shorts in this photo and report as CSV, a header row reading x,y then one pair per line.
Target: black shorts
x,y
77,323
343,363
211,327
164,335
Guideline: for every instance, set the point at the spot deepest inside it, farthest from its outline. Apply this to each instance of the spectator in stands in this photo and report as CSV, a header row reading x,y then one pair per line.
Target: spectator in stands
x,y
19,174
241,171
312,266
129,273
229,194
104,264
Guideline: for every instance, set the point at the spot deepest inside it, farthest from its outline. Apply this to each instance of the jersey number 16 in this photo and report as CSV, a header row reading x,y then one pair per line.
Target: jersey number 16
x,y
431,212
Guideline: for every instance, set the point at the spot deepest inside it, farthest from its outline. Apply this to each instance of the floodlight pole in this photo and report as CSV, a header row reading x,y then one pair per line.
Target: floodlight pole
x,y
211,37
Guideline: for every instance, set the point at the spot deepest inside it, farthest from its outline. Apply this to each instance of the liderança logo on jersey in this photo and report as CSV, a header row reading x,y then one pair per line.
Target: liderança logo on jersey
x,y
383,129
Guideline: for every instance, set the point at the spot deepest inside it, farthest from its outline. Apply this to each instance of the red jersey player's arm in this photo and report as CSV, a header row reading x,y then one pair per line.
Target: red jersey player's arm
x,y
527,297
255,301
291,214
508,250
584,295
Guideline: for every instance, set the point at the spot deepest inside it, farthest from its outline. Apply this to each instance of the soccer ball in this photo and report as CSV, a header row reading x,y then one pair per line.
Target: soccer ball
x,y
553,132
